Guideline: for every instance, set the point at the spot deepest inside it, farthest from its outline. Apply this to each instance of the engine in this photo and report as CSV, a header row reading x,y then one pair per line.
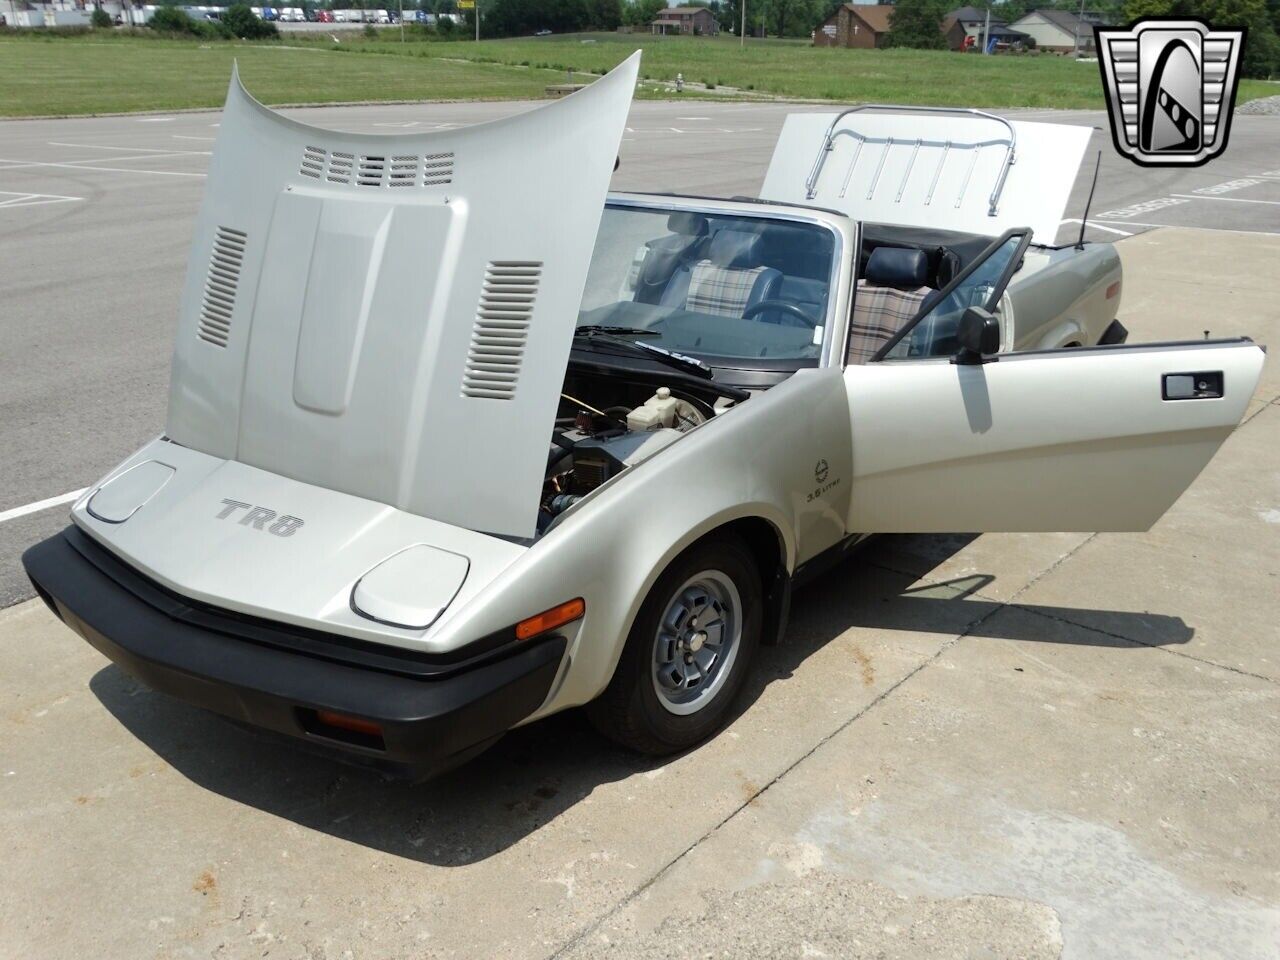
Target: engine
x,y
604,425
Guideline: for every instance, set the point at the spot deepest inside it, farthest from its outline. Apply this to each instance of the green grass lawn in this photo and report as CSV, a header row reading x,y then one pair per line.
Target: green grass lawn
x,y
81,76
104,73
793,68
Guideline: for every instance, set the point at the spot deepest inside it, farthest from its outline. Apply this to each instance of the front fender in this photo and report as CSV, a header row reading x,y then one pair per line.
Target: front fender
x,y
757,460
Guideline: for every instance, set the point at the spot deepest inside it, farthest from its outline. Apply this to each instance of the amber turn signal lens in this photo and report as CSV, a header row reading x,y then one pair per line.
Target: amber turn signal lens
x,y
550,619
344,722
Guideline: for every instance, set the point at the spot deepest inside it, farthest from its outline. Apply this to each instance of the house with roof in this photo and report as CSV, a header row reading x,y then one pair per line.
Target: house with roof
x,y
968,28
689,20
1061,31
855,25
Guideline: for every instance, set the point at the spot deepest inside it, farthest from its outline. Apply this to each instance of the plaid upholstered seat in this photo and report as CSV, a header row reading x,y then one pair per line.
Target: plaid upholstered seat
x,y
722,291
732,277
888,297
879,313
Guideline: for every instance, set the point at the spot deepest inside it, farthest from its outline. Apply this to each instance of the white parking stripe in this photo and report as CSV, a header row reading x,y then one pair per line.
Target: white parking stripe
x,y
19,164
1098,226
39,505
1186,226
30,199
1189,196
83,165
169,151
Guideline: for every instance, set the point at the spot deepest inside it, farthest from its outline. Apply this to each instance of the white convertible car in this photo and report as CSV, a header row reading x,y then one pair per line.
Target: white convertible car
x,y
456,440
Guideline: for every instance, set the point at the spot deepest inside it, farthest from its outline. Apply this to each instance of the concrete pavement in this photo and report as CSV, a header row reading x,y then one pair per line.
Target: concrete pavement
x,y
1004,746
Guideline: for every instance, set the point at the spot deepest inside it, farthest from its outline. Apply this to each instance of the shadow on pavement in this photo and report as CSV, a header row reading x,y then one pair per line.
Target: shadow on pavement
x,y
535,773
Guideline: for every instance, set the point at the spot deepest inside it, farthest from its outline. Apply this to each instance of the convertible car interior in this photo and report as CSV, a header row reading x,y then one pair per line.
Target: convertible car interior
x,y
707,272
746,296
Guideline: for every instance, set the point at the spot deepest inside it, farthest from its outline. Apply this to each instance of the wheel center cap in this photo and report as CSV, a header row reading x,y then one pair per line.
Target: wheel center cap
x,y
696,640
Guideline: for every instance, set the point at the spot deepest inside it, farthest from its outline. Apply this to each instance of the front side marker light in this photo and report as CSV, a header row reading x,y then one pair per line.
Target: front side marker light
x,y
343,727
557,616
346,722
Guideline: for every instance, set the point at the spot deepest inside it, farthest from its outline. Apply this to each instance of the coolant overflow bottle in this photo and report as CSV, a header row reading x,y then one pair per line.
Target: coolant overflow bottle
x,y
656,412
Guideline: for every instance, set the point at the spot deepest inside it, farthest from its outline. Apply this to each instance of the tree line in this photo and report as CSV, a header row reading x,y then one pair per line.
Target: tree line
x,y
915,23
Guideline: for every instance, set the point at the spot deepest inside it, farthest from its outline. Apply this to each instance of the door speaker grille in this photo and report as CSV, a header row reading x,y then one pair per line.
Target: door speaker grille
x,y
501,329
220,286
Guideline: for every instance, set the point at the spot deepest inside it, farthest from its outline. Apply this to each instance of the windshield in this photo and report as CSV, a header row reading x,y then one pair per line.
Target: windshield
x,y
730,289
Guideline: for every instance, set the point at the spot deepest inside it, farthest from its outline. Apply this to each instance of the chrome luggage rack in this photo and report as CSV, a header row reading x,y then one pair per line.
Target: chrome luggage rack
x,y
828,143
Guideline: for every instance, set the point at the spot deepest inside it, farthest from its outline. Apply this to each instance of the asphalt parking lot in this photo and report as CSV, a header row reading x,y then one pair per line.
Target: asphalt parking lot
x,y
999,746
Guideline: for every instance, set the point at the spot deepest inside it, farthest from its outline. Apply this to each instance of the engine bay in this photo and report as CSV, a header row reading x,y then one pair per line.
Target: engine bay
x,y
607,422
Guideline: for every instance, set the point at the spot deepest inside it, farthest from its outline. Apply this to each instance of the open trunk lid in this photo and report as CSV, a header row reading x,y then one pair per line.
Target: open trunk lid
x,y
390,316
940,168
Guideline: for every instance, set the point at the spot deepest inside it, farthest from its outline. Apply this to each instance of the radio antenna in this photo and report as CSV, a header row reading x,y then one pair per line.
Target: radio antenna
x,y
1088,203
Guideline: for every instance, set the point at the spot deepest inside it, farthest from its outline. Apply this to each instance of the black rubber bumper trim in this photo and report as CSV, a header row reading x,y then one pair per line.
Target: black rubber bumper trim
x,y
314,643
1115,333
428,724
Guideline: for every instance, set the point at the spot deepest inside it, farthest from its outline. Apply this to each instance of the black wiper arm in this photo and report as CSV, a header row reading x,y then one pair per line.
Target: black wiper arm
x,y
591,329
677,360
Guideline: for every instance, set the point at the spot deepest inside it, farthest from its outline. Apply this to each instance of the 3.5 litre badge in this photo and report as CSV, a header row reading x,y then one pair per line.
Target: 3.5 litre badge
x,y
1171,88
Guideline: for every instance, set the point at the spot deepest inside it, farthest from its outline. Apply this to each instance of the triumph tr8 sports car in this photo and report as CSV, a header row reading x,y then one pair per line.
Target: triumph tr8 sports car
x,y
456,440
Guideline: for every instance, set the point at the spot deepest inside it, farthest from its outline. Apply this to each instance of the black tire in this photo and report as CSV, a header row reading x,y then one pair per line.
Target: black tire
x,y
630,710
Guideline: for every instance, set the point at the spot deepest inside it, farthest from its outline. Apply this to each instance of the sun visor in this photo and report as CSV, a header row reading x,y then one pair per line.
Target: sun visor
x,y
390,316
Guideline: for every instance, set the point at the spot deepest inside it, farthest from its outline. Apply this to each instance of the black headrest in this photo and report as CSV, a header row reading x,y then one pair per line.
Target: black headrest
x,y
664,256
949,267
735,248
688,224
897,267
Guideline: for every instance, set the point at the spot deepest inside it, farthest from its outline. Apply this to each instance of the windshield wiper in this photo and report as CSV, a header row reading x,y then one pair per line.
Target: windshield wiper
x,y
679,361
591,329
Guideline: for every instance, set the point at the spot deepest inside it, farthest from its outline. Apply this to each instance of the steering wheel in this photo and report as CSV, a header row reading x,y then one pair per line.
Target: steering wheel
x,y
785,306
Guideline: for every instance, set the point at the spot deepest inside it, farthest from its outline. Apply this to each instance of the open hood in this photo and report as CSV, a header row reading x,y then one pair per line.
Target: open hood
x,y
929,167
390,316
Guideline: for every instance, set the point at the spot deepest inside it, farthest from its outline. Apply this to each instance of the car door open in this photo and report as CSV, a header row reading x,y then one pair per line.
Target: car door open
x,y
1100,438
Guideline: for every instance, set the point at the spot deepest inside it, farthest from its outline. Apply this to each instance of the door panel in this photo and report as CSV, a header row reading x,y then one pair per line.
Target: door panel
x,y
1058,441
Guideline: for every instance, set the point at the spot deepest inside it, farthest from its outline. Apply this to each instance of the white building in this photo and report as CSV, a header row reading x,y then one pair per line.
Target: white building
x,y
1060,30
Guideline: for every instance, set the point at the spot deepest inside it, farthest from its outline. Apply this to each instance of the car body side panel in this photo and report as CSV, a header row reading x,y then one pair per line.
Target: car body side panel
x,y
757,460
1063,298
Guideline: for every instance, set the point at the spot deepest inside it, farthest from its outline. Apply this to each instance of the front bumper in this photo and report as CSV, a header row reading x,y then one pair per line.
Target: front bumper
x,y
434,712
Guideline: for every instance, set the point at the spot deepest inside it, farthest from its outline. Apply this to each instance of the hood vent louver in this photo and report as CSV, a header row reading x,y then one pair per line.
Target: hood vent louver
x,y
220,286
369,170
501,329
437,168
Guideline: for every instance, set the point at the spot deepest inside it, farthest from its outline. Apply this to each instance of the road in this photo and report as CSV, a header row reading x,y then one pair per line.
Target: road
x,y
1011,746
96,215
